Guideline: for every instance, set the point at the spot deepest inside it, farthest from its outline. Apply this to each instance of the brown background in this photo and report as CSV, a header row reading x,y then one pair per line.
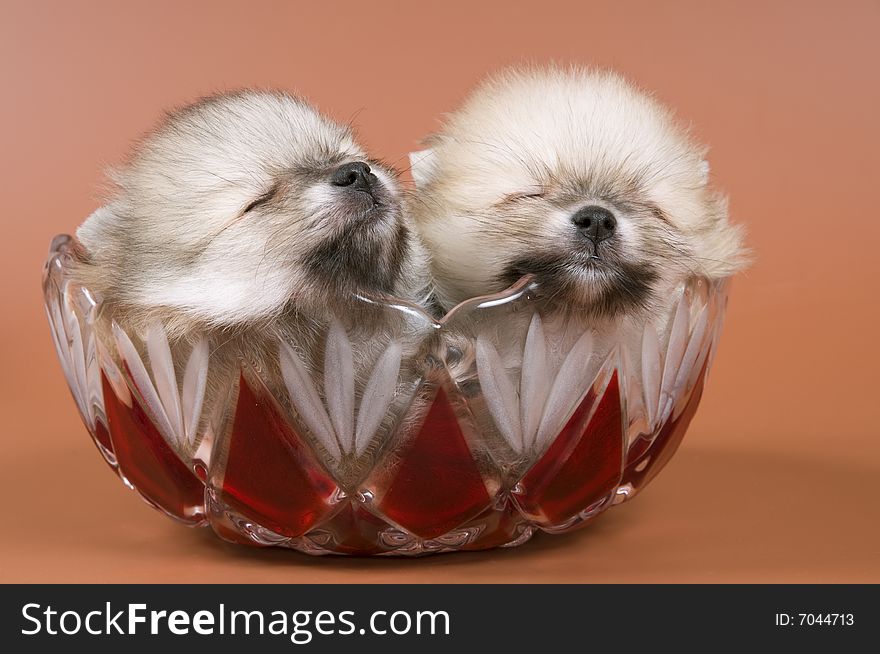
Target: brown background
x,y
778,477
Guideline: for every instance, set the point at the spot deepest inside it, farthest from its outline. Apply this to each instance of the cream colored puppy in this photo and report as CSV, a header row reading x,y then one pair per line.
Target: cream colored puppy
x,y
251,221
579,178
241,210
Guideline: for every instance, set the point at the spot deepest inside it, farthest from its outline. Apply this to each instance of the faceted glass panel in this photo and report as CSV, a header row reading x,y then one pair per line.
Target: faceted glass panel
x,y
386,431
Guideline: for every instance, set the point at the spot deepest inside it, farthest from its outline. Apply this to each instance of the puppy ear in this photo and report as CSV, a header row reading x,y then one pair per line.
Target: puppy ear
x,y
704,171
96,229
423,166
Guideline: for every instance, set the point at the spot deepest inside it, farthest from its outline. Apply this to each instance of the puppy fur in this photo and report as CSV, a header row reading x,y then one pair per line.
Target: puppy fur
x,y
230,222
225,216
499,186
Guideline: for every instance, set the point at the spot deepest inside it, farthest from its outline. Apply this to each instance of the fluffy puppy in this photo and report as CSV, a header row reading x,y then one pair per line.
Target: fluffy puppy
x,y
242,208
251,221
577,177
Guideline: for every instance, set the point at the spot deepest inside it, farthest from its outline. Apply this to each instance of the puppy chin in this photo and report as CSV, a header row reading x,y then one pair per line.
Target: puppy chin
x,y
364,253
600,288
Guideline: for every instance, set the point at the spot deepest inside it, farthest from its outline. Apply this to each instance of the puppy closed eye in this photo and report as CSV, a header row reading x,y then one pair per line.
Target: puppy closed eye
x,y
263,199
518,196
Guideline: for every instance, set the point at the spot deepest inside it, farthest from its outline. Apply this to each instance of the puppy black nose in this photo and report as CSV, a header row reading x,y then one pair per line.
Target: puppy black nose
x,y
596,223
355,175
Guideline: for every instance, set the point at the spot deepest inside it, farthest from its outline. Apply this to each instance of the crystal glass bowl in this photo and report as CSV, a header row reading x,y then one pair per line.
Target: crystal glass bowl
x,y
387,431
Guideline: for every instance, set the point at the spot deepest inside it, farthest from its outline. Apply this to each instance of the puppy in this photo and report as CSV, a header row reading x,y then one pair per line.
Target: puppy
x,y
252,221
578,178
240,208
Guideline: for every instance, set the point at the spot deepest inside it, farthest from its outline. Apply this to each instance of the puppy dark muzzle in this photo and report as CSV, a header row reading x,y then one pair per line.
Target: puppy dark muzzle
x,y
355,176
595,223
